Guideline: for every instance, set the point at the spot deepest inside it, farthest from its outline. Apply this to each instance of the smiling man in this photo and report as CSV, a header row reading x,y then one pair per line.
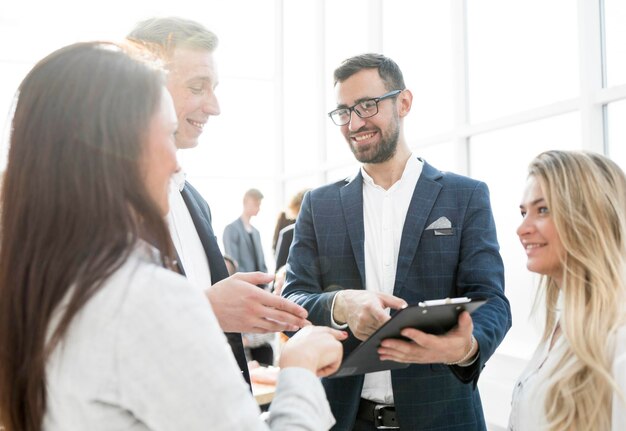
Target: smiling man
x,y
186,48
192,79
399,231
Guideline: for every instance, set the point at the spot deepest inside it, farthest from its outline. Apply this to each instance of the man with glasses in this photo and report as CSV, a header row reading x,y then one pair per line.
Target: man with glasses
x,y
398,232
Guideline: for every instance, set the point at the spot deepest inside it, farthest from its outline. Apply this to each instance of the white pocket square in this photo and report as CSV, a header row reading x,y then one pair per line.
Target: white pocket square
x,y
440,223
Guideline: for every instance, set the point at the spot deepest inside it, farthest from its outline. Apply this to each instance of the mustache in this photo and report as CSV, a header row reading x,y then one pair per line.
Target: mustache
x,y
362,130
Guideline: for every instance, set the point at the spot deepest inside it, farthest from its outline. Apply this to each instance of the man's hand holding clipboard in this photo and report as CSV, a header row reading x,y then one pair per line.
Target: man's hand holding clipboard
x,y
438,331
455,347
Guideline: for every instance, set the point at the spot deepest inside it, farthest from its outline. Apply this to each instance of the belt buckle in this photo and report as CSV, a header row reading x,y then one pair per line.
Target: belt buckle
x,y
378,416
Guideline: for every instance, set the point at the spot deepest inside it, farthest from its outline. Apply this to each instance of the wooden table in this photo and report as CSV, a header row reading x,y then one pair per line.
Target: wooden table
x,y
264,394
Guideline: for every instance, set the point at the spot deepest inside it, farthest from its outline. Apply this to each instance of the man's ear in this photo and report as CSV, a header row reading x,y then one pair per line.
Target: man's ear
x,y
405,101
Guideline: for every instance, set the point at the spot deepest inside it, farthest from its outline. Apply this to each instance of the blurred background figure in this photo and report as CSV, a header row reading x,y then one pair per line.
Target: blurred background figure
x,y
259,347
242,241
231,264
242,244
279,280
283,233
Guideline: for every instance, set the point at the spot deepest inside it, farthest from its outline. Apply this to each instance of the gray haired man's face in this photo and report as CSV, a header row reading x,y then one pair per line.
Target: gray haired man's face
x,y
192,79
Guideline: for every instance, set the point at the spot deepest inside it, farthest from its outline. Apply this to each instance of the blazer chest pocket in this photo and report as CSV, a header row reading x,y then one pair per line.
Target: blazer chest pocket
x,y
444,245
449,231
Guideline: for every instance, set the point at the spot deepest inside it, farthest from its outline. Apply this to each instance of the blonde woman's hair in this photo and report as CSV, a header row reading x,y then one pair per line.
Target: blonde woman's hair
x,y
586,195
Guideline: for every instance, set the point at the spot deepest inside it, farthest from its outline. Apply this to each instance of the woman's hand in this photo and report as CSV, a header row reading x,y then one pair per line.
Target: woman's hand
x,y
316,348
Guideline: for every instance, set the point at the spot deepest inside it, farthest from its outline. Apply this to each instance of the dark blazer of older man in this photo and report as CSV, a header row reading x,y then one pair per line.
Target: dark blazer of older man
x,y
201,216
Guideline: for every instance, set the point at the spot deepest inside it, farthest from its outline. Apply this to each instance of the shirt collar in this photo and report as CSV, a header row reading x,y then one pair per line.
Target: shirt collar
x,y
179,179
413,166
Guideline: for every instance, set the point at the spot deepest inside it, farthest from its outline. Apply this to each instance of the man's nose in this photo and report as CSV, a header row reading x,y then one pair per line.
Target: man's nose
x,y
211,105
356,122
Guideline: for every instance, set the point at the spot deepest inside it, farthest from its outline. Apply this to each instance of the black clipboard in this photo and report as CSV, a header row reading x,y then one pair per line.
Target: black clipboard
x,y
434,319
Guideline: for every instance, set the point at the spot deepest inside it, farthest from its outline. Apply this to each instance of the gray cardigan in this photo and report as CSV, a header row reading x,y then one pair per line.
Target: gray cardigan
x,y
146,353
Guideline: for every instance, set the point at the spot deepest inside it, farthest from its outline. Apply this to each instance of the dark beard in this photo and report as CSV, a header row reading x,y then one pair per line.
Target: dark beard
x,y
385,151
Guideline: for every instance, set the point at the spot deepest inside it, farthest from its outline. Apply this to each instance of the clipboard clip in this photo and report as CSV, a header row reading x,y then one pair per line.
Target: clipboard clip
x,y
432,302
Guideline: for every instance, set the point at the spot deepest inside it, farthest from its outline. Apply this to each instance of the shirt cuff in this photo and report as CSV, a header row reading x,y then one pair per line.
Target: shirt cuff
x,y
470,361
334,324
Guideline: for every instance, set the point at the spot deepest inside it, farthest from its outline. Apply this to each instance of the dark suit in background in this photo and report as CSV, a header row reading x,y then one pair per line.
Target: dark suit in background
x,y
285,237
327,254
201,216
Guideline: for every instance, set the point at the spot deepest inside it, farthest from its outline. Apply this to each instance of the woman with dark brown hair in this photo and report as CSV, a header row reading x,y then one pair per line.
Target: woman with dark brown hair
x,y
95,331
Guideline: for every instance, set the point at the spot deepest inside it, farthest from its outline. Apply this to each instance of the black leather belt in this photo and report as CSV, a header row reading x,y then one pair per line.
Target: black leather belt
x,y
383,415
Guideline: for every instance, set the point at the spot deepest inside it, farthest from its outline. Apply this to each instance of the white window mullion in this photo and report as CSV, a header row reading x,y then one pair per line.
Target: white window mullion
x,y
279,100
375,30
461,105
590,61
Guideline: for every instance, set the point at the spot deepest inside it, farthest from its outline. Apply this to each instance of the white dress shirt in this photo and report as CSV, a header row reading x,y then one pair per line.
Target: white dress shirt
x,y
185,237
146,353
384,213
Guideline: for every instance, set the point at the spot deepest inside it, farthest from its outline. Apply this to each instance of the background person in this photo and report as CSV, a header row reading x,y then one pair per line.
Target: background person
x,y
96,331
283,234
231,264
242,241
399,231
573,232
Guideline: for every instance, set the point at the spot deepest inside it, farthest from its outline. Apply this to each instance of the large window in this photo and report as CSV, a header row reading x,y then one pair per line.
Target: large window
x,y
615,41
500,158
617,132
426,62
517,58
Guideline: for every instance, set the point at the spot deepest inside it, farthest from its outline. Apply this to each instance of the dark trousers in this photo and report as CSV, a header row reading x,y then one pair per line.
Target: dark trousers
x,y
363,425
264,354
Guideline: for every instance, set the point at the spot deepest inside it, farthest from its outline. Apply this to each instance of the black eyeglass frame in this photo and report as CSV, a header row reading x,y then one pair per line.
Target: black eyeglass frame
x,y
351,109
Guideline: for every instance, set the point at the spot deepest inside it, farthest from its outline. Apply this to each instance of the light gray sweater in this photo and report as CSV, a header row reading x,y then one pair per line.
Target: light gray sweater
x,y
147,353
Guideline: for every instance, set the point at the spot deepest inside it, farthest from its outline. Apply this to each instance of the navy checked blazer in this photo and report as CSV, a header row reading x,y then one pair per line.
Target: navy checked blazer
x,y
327,255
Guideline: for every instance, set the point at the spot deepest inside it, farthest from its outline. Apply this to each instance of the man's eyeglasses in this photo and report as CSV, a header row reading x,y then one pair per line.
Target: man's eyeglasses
x,y
364,109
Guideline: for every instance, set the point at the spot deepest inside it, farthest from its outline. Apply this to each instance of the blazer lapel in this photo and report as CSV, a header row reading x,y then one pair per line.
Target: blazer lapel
x,y
352,204
207,237
426,192
202,221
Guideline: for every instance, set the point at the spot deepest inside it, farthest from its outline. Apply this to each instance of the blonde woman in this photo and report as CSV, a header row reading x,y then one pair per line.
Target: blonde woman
x,y
573,232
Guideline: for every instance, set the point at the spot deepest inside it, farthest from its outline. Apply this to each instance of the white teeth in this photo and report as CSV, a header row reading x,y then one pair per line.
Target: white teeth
x,y
195,123
531,246
363,137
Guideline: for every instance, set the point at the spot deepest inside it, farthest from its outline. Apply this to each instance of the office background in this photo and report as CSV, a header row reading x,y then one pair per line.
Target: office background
x,y
494,83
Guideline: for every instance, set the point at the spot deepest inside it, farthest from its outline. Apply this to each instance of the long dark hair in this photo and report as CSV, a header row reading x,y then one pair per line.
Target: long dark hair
x,y
73,204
